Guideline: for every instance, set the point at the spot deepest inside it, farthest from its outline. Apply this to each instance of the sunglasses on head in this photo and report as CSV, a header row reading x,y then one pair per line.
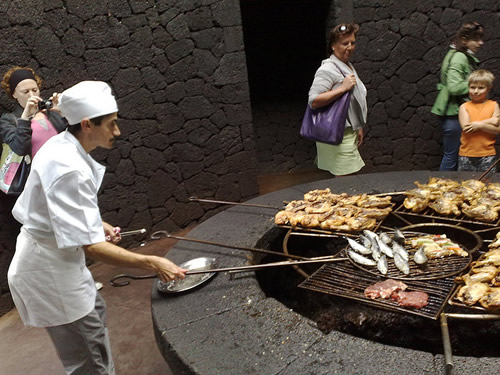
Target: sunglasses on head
x,y
475,26
341,28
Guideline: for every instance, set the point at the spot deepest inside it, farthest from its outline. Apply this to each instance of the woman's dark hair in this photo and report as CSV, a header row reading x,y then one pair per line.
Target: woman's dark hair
x,y
339,30
468,31
8,74
76,128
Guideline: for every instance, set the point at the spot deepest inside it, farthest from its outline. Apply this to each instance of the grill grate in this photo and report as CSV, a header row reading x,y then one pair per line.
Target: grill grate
x,y
345,280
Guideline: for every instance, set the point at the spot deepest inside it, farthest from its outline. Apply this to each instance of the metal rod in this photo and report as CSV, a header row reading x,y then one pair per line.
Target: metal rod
x,y
268,265
114,280
132,232
159,234
488,170
474,316
448,354
196,199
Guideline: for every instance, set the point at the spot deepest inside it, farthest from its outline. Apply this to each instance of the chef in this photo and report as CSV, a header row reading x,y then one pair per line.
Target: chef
x,y
61,224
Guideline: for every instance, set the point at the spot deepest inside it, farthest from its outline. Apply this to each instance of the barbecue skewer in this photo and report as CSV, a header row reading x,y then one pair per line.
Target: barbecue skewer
x,y
253,267
488,170
196,199
162,233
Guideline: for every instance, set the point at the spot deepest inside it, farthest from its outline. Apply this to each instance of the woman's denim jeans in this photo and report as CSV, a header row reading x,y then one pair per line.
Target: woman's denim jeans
x,y
451,143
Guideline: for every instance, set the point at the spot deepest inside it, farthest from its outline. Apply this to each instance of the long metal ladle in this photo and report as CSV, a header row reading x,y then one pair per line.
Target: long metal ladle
x,y
114,279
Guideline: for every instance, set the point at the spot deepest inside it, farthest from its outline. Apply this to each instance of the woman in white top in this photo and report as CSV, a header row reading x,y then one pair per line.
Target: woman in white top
x,y
336,76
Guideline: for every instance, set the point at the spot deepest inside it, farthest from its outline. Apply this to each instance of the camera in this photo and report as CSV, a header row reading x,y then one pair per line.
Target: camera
x,y
45,104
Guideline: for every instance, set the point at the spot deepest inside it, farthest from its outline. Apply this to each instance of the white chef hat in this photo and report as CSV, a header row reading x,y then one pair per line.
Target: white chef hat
x,y
87,99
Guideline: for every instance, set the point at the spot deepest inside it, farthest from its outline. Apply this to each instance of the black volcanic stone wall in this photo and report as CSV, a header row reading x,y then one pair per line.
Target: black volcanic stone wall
x,y
399,51
178,70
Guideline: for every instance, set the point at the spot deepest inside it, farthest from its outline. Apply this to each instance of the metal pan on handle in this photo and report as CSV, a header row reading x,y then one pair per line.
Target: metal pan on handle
x,y
193,279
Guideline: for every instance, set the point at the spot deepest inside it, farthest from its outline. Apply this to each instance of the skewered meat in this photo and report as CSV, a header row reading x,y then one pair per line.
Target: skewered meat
x,y
384,289
323,209
415,299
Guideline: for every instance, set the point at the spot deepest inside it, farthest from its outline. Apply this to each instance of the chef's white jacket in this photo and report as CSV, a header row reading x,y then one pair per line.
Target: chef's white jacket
x,y
48,278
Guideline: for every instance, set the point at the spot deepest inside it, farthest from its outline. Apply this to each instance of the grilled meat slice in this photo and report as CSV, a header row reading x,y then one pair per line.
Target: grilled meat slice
x,y
415,299
384,289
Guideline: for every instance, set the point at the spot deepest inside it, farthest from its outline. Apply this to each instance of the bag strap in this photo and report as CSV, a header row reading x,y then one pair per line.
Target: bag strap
x,y
444,71
338,67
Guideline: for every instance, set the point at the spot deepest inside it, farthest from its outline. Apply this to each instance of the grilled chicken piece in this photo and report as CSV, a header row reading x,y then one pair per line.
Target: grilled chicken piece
x,y
375,213
494,204
442,183
480,212
416,204
375,202
333,222
347,211
496,242
318,194
282,218
360,223
318,208
422,192
491,301
495,281
295,206
456,196
474,184
445,207
481,274
472,292
492,193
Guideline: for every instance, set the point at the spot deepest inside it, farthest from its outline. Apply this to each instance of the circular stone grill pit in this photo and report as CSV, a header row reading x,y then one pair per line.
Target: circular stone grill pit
x,y
232,325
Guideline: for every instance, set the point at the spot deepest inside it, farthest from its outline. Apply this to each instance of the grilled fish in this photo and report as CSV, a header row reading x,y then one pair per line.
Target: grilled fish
x,y
384,248
397,248
382,265
356,246
385,238
361,259
401,264
398,236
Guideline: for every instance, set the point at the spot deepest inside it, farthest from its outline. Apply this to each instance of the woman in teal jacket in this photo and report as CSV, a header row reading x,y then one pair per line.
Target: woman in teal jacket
x,y
458,63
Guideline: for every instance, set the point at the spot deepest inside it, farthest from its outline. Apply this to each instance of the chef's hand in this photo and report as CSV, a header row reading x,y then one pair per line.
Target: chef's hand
x,y
166,270
112,233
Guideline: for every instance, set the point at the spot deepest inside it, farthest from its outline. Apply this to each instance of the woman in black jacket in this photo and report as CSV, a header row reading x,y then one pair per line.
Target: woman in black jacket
x,y
25,130
32,122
